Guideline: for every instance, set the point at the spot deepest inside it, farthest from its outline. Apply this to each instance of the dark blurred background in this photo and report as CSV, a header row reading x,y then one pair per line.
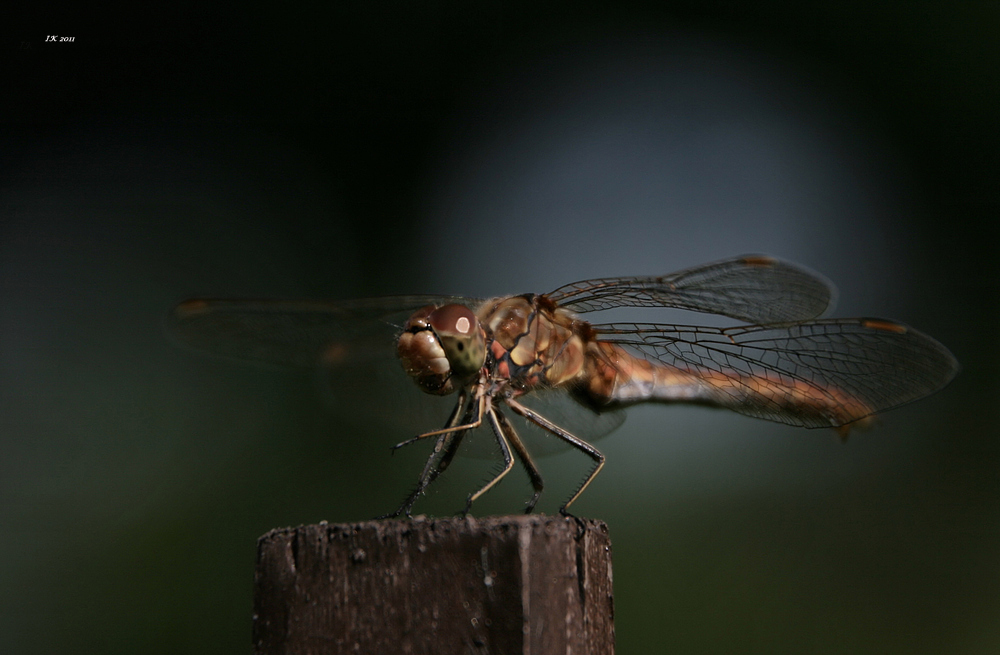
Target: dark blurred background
x,y
378,148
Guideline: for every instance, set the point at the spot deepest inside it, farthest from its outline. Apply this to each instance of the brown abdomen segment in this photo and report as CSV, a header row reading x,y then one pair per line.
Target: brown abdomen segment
x,y
613,376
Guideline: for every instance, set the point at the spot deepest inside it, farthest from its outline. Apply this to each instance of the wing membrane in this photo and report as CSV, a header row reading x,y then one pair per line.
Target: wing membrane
x,y
295,333
815,374
751,288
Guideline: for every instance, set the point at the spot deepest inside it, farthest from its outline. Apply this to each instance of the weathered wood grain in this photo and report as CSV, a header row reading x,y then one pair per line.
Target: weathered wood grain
x,y
526,584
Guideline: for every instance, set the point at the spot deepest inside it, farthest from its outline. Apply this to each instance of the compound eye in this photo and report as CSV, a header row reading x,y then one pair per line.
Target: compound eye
x,y
453,320
462,338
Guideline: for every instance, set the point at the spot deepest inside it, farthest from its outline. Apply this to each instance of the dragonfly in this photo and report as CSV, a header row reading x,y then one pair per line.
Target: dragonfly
x,y
782,362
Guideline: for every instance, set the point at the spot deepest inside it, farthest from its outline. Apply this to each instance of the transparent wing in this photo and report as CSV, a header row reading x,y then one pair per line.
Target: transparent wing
x,y
823,373
559,407
296,333
354,342
751,288
350,345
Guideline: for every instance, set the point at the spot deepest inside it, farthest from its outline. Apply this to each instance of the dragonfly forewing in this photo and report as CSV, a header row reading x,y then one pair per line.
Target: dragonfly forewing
x,y
751,288
293,333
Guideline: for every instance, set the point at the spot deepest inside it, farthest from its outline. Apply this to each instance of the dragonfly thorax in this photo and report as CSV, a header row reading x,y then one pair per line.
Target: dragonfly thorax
x,y
442,348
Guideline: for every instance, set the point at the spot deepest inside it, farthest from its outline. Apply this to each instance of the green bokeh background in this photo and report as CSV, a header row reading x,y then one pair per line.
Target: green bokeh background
x,y
287,154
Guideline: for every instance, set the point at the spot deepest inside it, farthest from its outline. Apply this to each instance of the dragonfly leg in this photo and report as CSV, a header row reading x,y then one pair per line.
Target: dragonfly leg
x,y
522,453
447,445
467,424
569,438
449,438
508,461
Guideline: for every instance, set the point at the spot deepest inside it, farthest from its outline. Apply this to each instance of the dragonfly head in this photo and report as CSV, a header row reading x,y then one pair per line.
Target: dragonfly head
x,y
442,348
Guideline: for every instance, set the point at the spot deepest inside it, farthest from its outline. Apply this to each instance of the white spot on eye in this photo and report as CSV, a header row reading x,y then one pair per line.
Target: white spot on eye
x,y
462,324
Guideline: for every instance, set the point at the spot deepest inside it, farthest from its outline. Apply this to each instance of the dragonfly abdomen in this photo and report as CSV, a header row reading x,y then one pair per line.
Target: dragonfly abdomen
x,y
614,376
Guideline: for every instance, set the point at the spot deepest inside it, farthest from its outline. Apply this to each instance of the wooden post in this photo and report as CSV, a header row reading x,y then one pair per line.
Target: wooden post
x,y
508,584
